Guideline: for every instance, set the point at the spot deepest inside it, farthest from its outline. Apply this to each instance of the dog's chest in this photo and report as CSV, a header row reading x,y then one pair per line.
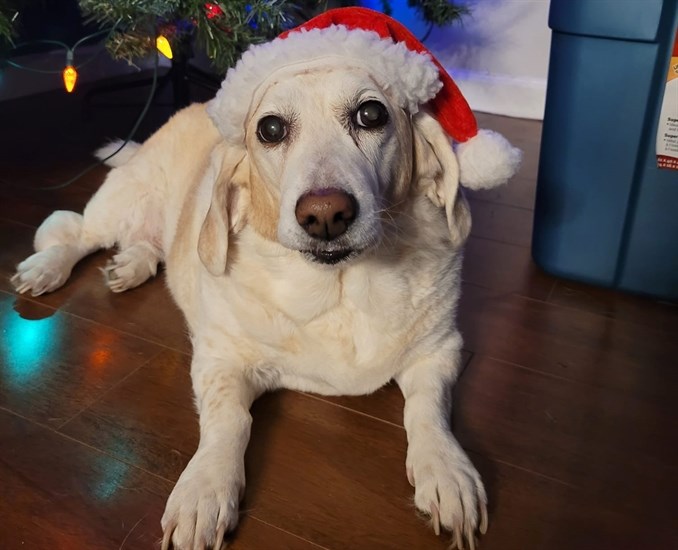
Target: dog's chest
x,y
357,317
333,331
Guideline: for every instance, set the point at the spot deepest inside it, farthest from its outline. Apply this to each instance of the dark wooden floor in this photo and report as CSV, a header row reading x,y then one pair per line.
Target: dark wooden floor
x,y
568,404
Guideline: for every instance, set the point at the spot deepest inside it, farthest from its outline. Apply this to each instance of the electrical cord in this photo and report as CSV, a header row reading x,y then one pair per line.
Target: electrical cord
x,y
71,49
94,165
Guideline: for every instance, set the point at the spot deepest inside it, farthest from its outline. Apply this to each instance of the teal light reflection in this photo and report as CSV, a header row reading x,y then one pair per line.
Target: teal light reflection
x,y
27,345
114,471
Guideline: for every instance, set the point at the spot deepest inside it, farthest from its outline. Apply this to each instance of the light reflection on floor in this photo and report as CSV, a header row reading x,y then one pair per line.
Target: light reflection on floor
x,y
28,347
114,472
30,351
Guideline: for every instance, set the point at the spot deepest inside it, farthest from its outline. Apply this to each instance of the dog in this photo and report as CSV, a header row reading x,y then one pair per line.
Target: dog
x,y
312,230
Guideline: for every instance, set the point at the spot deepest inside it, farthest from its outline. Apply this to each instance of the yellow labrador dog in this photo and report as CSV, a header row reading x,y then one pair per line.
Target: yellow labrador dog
x,y
311,222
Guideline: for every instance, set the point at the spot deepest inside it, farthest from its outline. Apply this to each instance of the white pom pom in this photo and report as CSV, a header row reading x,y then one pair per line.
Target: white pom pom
x,y
487,160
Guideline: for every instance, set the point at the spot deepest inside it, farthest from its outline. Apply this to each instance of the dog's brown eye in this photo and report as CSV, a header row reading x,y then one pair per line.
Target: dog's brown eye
x,y
371,114
271,129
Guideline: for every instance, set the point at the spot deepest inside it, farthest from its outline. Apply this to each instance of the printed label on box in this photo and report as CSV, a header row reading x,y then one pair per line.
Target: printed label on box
x,y
667,131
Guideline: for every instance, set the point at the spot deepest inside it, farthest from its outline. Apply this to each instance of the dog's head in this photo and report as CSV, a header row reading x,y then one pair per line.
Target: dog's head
x,y
330,129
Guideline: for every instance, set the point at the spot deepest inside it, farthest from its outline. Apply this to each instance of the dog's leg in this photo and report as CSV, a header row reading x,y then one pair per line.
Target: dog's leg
x,y
447,486
203,506
132,266
135,227
126,209
59,246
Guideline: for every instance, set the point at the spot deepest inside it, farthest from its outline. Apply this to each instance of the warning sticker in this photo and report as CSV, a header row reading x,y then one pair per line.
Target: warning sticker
x,y
667,131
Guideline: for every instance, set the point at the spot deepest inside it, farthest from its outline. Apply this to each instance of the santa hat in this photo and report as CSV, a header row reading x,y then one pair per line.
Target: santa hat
x,y
394,57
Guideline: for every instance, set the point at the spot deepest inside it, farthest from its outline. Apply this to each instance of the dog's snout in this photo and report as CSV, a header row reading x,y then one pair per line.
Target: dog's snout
x,y
326,213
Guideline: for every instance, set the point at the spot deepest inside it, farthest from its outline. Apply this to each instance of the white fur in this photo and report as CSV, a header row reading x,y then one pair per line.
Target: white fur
x,y
487,160
131,267
310,163
58,247
261,315
411,78
116,153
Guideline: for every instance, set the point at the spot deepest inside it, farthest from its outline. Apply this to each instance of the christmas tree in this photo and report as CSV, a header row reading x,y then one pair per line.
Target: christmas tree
x,y
8,14
222,29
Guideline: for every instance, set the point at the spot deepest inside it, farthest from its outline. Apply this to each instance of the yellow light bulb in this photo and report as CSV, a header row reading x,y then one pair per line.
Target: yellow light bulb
x,y
163,46
70,76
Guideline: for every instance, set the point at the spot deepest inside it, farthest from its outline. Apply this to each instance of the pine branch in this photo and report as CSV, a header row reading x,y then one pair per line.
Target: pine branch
x,y
223,28
129,45
242,23
438,12
128,12
7,16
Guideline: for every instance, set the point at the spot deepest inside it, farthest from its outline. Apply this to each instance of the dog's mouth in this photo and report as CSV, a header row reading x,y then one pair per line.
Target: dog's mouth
x,y
331,257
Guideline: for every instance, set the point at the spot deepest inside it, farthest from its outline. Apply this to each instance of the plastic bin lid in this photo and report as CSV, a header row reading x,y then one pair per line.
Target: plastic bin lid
x,y
635,20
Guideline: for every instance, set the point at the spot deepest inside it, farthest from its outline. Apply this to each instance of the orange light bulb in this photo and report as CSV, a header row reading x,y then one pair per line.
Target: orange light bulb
x,y
163,46
70,76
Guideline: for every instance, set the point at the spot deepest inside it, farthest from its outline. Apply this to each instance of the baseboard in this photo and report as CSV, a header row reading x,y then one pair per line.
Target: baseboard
x,y
502,95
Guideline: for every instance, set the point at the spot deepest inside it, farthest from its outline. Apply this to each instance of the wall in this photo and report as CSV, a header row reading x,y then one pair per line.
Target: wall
x,y
498,55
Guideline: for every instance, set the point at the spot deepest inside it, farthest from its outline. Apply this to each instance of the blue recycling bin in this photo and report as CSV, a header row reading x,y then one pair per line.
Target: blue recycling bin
x,y
605,213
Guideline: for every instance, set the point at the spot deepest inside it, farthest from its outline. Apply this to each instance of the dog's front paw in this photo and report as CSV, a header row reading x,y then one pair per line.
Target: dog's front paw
x,y
130,268
203,506
448,489
42,272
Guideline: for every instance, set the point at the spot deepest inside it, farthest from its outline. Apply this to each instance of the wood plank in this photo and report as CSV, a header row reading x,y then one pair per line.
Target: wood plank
x,y
53,365
505,268
152,411
332,476
502,223
321,470
571,344
58,493
253,534
301,476
160,394
147,311
533,512
615,448
314,468
617,305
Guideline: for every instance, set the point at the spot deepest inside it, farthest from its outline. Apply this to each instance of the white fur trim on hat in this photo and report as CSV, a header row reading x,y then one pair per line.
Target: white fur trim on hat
x,y
410,78
487,160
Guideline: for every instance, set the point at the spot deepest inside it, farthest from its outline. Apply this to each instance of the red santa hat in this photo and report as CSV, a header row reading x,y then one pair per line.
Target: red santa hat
x,y
399,63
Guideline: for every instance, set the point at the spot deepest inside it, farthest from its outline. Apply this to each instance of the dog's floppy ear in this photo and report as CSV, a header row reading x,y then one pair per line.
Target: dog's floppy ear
x,y
229,170
436,173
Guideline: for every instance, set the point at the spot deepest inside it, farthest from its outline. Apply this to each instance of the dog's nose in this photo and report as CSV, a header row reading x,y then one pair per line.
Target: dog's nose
x,y
326,213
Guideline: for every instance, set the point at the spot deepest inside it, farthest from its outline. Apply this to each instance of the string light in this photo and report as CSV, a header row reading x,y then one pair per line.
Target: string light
x,y
130,135
163,46
69,74
213,11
